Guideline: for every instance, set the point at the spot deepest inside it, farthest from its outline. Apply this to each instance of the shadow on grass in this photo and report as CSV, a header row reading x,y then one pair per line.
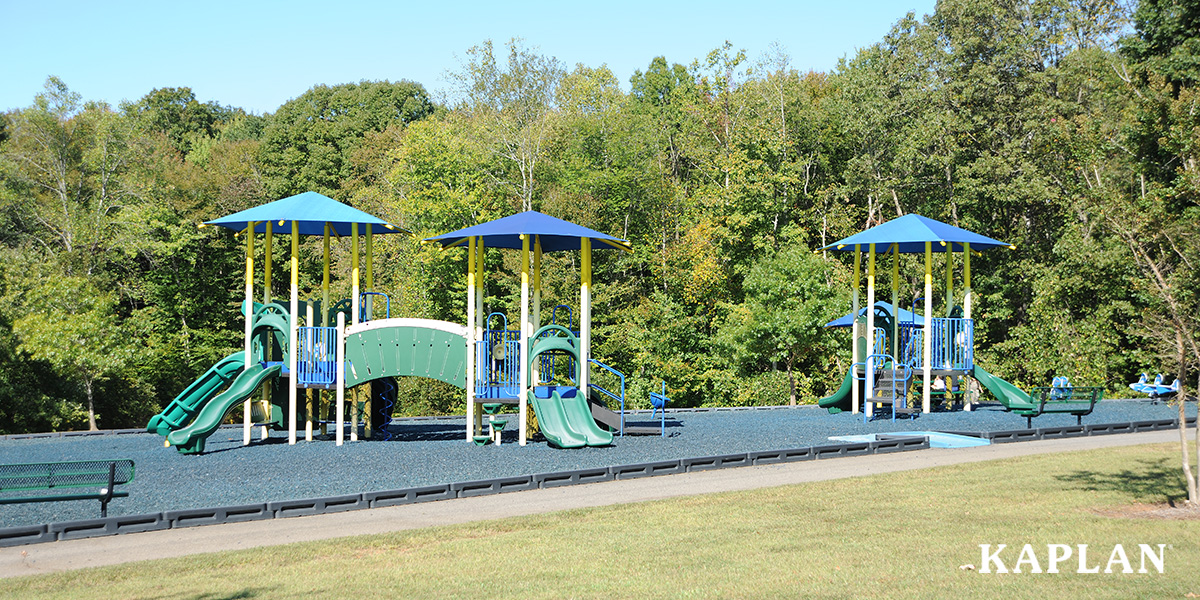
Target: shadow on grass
x,y
1154,480
260,592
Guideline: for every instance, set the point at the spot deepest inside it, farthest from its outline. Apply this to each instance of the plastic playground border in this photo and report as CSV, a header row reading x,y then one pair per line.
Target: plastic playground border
x,y
173,519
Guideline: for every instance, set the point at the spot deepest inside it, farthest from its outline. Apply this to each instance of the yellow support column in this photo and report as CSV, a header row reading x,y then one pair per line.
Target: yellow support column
x,y
967,280
268,262
322,398
369,405
249,312
854,354
896,302
949,278
870,387
471,338
928,326
537,283
294,311
523,367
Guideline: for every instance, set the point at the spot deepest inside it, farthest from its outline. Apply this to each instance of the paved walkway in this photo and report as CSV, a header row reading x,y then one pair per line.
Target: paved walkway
x,y
94,552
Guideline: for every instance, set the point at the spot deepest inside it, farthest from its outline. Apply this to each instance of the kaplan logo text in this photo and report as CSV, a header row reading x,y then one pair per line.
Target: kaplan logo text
x,y
1063,557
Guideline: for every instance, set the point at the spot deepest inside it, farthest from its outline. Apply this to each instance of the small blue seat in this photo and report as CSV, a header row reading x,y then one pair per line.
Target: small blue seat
x,y
659,402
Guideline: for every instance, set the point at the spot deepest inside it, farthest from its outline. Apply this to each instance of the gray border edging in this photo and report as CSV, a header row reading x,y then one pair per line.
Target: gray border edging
x,y
32,534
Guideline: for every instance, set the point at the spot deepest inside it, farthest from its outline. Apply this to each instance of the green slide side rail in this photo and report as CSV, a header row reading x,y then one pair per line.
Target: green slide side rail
x,y
192,399
406,348
190,439
1009,395
841,399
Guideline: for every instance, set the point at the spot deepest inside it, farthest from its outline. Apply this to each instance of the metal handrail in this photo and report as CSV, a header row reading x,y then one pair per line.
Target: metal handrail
x,y
606,392
362,308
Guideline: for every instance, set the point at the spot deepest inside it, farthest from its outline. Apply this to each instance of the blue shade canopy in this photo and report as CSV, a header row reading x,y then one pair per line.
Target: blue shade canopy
x,y
555,234
911,232
907,318
312,210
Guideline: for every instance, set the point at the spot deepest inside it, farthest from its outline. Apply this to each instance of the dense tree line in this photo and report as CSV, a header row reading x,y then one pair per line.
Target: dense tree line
x,y
1067,127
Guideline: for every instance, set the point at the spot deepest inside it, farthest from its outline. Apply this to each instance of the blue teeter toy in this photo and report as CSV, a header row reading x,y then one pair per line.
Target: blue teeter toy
x,y
659,402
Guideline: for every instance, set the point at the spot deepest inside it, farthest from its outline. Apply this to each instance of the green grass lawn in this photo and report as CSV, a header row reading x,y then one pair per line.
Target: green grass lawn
x,y
896,535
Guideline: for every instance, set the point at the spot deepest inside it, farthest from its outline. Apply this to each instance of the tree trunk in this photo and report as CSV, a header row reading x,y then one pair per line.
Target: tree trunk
x,y
1181,398
91,406
791,382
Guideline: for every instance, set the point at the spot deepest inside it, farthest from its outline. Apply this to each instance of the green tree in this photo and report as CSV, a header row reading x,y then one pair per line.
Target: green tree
x,y
513,105
73,326
788,301
310,142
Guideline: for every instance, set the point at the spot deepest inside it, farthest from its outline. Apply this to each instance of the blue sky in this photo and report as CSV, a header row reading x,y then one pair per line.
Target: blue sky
x,y
258,55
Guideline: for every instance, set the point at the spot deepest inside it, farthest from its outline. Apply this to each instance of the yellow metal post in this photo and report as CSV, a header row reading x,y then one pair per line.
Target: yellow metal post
x,y
479,323
321,396
870,387
967,280
309,404
949,278
896,302
268,263
369,405
537,283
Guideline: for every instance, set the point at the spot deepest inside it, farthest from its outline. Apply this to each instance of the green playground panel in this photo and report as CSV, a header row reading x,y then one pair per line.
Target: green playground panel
x,y
406,351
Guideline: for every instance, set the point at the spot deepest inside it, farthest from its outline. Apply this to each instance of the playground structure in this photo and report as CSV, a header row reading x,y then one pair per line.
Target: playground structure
x,y
886,360
546,366
357,348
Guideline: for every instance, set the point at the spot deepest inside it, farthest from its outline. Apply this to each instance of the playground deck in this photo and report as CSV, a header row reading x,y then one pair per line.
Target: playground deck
x,y
431,451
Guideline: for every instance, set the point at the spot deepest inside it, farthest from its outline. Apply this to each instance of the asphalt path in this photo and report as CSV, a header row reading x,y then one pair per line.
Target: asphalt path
x,y
94,552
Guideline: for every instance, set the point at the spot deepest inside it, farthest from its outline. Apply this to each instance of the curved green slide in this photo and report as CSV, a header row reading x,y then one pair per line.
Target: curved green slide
x,y
190,439
192,399
1011,396
552,420
568,422
840,400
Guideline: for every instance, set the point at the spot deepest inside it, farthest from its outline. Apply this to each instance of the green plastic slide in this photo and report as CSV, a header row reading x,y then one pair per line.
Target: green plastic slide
x,y
181,410
841,399
1011,396
579,418
190,439
552,420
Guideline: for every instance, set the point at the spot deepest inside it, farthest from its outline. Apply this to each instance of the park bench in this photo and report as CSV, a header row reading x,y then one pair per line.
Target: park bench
x,y
1063,399
42,482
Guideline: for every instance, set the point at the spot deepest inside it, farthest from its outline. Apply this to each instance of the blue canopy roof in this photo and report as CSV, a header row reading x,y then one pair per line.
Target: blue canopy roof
x,y
555,234
911,232
312,210
907,318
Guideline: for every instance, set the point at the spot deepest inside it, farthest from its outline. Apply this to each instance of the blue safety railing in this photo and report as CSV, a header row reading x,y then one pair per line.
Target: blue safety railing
x,y
877,364
951,345
316,362
364,314
619,398
497,361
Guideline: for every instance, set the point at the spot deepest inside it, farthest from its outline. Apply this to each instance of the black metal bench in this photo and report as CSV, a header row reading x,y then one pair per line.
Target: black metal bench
x,y
21,483
1078,401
